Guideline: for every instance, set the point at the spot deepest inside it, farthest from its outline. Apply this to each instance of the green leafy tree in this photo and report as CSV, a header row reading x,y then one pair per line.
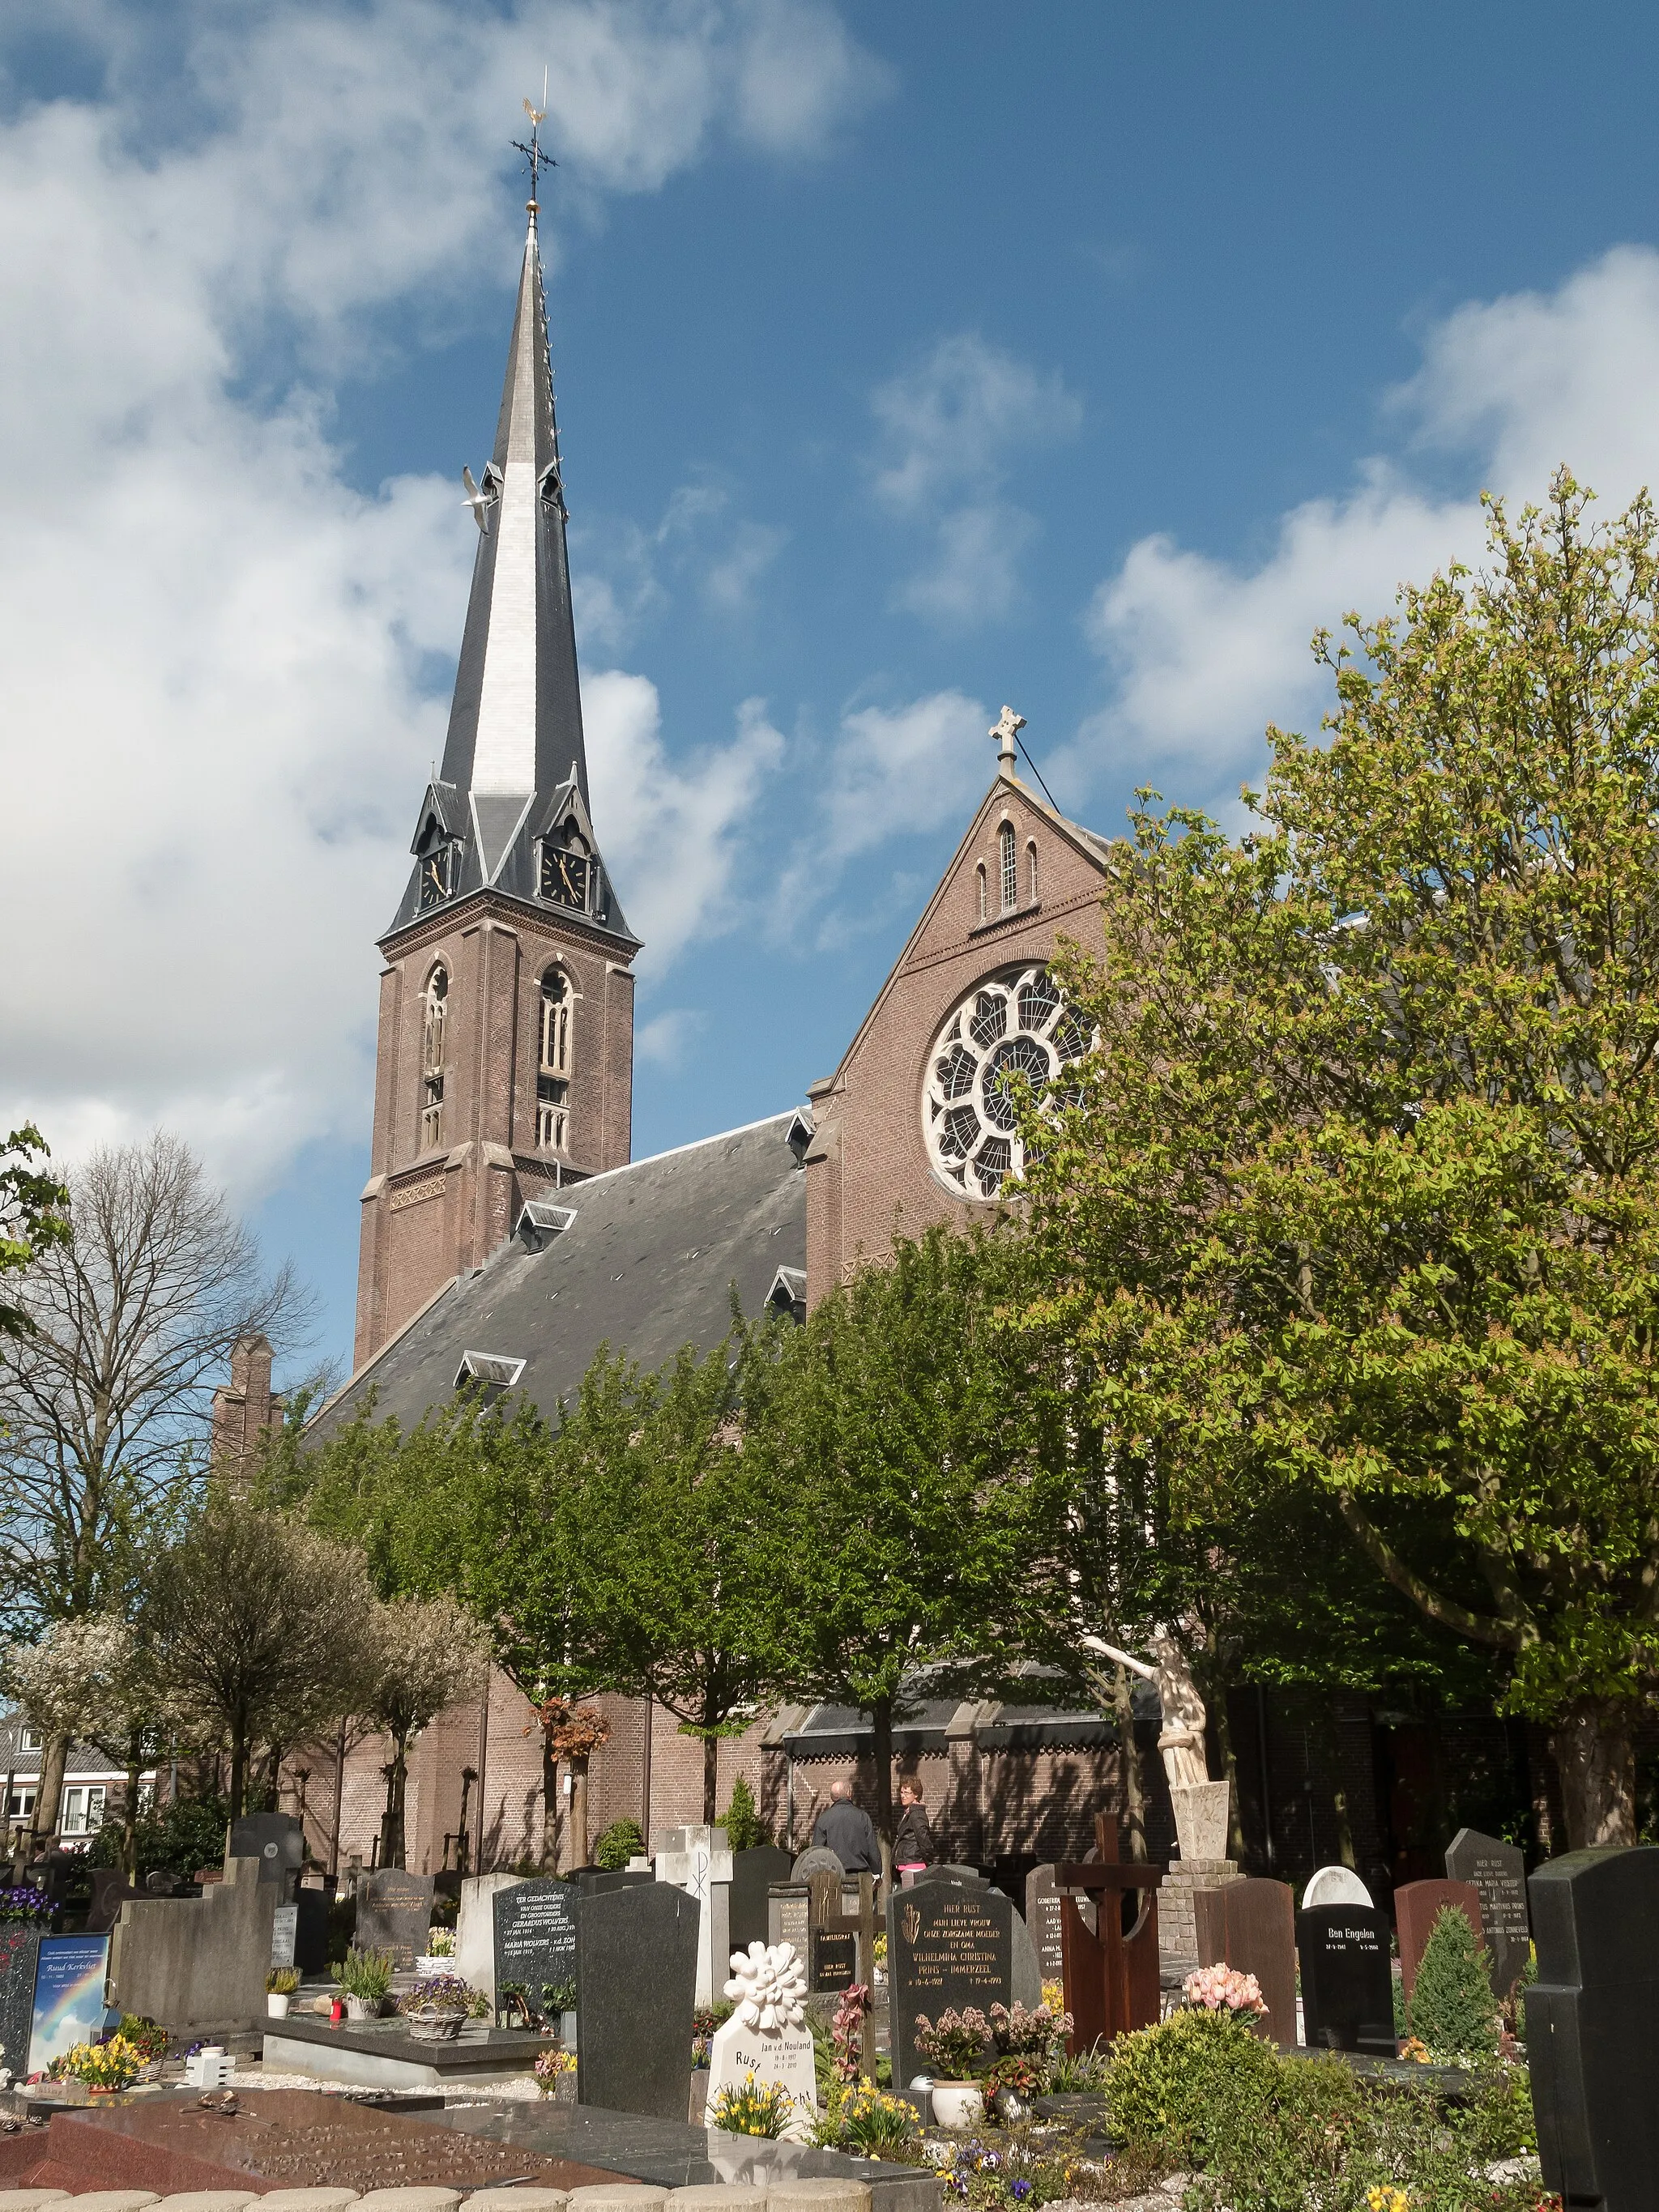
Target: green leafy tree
x,y
1362,1193
33,1216
922,1479
1451,2006
742,1821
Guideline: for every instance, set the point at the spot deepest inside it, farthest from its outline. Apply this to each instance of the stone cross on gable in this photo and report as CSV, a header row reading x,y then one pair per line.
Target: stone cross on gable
x,y
1007,729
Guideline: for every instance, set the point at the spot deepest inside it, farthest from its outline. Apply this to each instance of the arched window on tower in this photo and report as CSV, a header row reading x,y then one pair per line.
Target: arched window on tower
x,y
554,1063
1031,871
1009,868
432,1060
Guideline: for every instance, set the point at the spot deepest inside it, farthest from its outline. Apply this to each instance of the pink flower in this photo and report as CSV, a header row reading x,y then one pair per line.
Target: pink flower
x,y
1224,1989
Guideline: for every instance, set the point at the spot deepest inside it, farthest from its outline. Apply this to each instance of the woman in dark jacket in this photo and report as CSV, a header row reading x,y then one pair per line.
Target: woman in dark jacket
x,y
913,1842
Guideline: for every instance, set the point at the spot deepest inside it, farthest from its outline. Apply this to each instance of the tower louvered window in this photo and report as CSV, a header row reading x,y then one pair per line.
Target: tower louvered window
x,y
554,1063
432,1061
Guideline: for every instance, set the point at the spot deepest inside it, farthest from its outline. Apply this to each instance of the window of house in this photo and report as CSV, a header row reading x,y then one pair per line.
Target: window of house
x,y
432,1061
28,1741
21,1804
82,1809
1009,868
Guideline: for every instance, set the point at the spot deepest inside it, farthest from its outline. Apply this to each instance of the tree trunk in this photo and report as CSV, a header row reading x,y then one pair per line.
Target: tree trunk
x,y
711,1780
549,1804
54,1758
130,1814
1134,1787
1217,1699
1592,1747
579,1809
340,1798
881,1745
237,1775
393,1851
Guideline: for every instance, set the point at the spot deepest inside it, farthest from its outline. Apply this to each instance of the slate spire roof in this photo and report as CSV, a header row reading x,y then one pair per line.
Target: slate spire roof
x,y
515,767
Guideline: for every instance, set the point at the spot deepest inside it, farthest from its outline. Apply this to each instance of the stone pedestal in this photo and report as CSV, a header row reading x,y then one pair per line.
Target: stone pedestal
x,y
1200,1817
1177,1912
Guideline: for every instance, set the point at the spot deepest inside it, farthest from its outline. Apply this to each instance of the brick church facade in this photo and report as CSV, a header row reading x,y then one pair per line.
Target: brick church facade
x,y
507,1233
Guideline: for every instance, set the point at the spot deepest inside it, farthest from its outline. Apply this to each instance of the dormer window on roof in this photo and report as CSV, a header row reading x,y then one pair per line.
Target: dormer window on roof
x,y
496,1370
788,1293
539,1223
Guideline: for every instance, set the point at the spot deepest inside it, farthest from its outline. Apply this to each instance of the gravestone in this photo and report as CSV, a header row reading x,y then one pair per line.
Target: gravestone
x,y
1334,1885
311,1930
284,1935
1250,1925
697,1860
536,1942
753,1873
1593,2026
69,1996
1027,1975
1417,1906
20,1952
588,1882
197,1963
789,1914
1347,1985
819,1859
841,1918
475,1930
277,1840
949,1945
636,1966
394,1913
1043,1907
767,1986
110,1891
1498,1872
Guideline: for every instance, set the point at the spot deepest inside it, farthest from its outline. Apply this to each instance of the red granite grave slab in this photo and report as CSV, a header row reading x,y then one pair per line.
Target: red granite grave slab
x,y
271,2139
1417,1906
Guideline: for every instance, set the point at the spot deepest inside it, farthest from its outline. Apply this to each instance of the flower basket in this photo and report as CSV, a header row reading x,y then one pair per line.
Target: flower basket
x,y
427,2025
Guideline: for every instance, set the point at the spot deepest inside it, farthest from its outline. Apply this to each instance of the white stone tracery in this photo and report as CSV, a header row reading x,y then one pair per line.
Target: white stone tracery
x,y
1013,1023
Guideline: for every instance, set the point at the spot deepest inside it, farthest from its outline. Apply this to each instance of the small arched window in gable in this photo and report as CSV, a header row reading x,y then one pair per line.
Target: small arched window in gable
x,y
432,1059
979,876
1009,868
1030,870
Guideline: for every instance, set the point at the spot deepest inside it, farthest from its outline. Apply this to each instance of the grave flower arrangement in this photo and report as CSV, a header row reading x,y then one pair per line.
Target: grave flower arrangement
x,y
366,1977
1224,1989
954,2045
1013,2176
847,2030
443,1993
753,2109
111,2065
441,1943
147,2037
705,2022
869,2125
25,1904
553,2068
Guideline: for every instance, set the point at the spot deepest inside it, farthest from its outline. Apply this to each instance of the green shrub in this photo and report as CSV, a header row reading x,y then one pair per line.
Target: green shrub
x,y
178,1840
741,1821
1168,2086
1451,2005
366,1974
621,1842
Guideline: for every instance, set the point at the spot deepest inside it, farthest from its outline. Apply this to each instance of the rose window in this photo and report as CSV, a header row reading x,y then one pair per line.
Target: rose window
x,y
1014,1025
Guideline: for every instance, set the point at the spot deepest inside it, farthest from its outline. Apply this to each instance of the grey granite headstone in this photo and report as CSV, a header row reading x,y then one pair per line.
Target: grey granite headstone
x,y
753,1872
1593,2026
949,1944
197,1963
394,1913
818,1858
1043,1919
1027,1975
536,1942
110,1891
277,1840
20,1953
789,1915
1498,1873
636,1967
1347,1985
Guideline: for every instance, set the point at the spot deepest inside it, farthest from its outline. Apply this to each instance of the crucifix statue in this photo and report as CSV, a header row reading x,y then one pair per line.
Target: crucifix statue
x,y
1181,1734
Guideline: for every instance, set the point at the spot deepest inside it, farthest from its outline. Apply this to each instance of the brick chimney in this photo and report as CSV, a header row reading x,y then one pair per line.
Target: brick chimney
x,y
244,1411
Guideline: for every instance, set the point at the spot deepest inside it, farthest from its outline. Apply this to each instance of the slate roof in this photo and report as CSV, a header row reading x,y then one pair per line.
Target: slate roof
x,y
646,1265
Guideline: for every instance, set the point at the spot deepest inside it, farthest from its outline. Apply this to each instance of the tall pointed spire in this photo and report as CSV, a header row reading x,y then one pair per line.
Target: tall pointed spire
x,y
514,772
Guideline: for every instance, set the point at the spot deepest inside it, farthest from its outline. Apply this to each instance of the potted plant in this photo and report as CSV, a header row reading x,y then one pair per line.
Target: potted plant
x,y
439,1952
436,2009
104,2068
556,2074
148,2039
366,1977
280,1985
954,2046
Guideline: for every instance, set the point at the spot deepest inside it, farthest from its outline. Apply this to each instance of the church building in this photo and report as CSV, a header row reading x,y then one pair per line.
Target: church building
x,y
507,1230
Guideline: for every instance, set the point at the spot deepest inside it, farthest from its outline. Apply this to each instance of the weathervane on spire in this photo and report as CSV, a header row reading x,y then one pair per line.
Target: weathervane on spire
x,y
532,153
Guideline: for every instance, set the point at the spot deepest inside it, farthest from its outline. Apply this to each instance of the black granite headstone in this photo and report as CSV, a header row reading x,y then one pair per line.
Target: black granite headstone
x,y
277,1840
636,1966
753,1872
1593,2026
1498,1872
834,1959
536,1942
1347,1985
789,1915
311,1931
394,1912
19,1954
949,1944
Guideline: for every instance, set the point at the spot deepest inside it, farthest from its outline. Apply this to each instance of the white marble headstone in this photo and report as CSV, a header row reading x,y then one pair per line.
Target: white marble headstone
x,y
699,1861
766,2039
1335,1885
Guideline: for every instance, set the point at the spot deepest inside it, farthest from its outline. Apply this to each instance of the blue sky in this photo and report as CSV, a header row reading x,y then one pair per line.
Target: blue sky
x,y
909,360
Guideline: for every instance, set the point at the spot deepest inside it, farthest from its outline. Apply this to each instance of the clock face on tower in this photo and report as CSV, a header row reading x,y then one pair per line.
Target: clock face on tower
x,y
435,872
1014,1025
565,876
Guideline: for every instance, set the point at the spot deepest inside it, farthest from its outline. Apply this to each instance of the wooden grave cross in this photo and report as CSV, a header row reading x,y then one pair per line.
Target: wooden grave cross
x,y
1111,1976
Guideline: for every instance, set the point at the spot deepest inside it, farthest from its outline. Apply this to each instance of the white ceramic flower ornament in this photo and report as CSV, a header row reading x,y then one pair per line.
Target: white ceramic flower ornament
x,y
767,1986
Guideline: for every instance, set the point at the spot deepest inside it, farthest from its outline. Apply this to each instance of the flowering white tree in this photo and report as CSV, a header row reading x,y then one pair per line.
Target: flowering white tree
x,y
426,1653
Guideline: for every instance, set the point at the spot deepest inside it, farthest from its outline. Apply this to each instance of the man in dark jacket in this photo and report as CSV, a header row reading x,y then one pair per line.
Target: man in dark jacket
x,y
848,1832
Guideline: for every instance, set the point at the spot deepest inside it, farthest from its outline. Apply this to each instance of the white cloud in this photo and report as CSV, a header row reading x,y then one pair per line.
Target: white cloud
x,y
216,719
951,424
1202,654
627,575
670,828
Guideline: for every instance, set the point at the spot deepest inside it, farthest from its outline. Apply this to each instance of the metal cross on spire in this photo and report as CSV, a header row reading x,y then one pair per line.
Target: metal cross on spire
x,y
532,153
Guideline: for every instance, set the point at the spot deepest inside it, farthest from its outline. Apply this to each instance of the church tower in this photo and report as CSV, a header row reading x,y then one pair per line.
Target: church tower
x,y
504,1068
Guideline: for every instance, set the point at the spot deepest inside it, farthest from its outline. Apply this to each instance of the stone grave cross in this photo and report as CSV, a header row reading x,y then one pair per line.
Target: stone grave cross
x,y
1111,1977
